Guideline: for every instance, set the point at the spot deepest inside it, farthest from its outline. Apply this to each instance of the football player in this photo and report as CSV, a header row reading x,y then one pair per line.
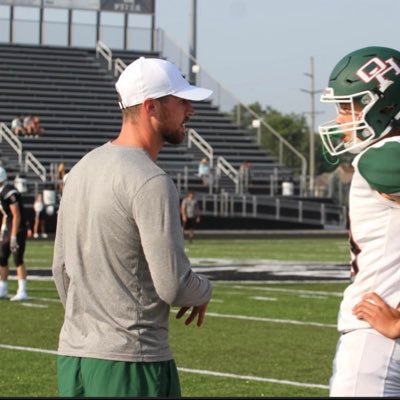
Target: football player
x,y
13,234
365,88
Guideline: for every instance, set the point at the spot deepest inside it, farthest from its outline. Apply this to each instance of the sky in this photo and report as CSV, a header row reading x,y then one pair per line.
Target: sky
x,y
260,50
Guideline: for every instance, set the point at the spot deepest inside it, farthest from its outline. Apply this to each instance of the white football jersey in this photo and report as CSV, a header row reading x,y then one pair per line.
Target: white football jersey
x,y
374,230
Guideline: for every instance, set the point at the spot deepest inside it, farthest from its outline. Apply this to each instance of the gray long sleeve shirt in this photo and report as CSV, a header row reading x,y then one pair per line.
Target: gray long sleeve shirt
x,y
119,260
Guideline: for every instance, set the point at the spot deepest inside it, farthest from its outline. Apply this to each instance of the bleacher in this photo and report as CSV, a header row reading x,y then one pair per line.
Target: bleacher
x,y
74,95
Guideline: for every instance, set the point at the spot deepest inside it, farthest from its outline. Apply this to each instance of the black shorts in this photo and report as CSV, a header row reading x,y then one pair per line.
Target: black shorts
x,y
5,251
190,223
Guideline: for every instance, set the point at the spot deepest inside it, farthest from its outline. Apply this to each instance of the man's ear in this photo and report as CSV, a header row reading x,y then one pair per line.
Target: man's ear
x,y
149,105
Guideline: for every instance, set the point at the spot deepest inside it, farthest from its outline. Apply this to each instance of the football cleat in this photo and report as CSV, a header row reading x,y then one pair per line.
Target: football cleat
x,y
20,296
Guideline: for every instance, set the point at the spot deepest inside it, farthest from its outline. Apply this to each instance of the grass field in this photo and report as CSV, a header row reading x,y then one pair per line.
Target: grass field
x,y
259,339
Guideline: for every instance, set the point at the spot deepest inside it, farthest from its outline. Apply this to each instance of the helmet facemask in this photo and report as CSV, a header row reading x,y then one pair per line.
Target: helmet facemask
x,y
352,136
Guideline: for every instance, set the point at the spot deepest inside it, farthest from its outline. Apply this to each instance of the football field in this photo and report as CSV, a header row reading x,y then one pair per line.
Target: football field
x,y
270,338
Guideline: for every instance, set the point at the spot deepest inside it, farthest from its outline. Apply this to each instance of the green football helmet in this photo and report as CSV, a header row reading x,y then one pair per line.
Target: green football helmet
x,y
370,79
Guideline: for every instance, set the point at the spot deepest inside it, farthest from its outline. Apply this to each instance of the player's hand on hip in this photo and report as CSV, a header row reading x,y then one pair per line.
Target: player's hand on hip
x,y
379,315
13,244
197,311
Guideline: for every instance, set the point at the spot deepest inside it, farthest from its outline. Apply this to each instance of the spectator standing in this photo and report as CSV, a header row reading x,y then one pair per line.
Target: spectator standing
x,y
13,234
60,178
39,225
17,126
204,171
119,260
244,175
190,212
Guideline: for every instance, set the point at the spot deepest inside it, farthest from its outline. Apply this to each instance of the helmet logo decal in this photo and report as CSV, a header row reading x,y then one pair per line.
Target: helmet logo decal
x,y
377,69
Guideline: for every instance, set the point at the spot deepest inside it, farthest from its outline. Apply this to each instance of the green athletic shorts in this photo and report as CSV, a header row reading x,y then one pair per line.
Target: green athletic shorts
x,y
91,377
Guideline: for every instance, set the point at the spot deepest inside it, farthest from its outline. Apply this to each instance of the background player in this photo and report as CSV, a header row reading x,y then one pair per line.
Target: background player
x,y
365,87
190,212
12,237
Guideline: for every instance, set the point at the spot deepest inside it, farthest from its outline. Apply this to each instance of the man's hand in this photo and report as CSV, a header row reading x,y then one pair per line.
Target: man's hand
x,y
13,244
199,311
379,315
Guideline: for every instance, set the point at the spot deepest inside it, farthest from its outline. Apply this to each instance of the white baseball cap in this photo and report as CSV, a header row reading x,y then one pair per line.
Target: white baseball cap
x,y
153,78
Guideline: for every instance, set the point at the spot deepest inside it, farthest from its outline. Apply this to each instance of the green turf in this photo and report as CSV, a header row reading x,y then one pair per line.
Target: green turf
x,y
291,249
39,253
272,337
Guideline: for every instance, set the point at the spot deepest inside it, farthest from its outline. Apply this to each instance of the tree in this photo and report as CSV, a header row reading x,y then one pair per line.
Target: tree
x,y
292,127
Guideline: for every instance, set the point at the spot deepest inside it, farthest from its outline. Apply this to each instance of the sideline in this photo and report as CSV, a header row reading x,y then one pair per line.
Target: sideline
x,y
193,371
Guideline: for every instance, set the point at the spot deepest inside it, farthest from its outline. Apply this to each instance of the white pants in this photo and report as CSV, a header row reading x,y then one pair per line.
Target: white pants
x,y
366,364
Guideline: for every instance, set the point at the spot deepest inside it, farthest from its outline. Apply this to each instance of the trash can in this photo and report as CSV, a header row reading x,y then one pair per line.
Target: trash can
x,y
49,197
287,188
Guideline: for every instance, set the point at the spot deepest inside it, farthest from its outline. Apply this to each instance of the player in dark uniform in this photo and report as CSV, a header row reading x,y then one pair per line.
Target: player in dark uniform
x,y
13,235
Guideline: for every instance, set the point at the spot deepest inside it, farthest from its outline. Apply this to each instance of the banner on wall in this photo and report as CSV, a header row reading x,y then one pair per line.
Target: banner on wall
x,y
130,6
127,6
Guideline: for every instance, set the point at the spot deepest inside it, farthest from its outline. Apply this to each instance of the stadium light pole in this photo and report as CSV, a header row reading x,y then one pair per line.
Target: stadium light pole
x,y
193,40
312,92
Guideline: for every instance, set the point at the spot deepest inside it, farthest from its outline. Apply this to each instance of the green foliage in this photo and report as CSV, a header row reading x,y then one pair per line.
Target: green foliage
x,y
292,127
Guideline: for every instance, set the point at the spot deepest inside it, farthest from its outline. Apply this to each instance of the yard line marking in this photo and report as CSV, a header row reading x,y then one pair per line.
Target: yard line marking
x,y
298,291
252,378
263,298
194,371
307,296
25,304
46,299
278,321
33,349
241,317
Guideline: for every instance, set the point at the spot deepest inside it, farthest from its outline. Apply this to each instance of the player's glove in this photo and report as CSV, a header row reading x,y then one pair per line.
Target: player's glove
x,y
13,244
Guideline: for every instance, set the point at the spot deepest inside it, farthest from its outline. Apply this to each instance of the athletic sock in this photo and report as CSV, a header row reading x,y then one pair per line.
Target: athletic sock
x,y
21,285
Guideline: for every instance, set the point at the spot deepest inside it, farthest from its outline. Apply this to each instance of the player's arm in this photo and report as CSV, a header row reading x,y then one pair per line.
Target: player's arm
x,y
16,218
198,212
157,205
61,279
379,315
183,210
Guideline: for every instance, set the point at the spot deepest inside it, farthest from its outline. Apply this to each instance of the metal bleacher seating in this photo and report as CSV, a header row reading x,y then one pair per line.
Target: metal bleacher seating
x,y
74,95
76,101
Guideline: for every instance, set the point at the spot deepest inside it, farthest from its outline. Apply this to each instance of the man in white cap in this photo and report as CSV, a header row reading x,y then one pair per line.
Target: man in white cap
x,y
119,260
12,237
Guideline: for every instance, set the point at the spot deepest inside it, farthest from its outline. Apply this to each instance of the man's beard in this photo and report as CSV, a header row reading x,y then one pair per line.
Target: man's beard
x,y
173,137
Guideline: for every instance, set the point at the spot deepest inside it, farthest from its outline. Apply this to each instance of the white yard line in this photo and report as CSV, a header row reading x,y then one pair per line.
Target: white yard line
x,y
241,317
285,290
263,298
273,320
194,371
